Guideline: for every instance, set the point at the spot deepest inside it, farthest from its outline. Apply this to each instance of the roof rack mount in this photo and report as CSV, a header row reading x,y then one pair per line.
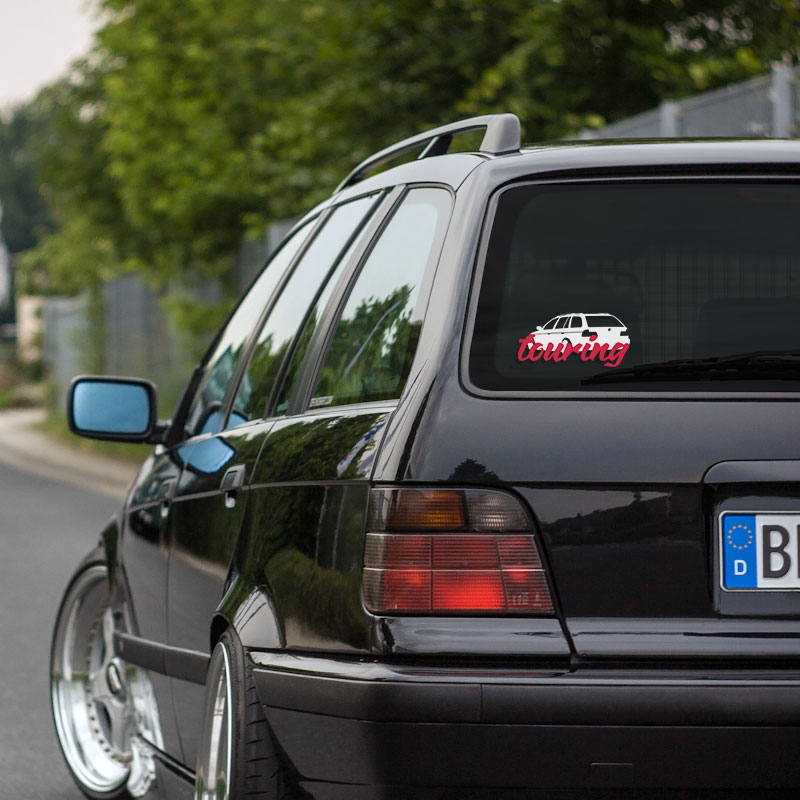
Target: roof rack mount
x,y
502,136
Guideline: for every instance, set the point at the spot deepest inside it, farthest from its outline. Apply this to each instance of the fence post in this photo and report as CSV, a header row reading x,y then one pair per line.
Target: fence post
x,y
781,97
668,119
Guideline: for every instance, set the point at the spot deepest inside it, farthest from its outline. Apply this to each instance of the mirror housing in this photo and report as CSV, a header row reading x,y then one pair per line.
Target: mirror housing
x,y
113,409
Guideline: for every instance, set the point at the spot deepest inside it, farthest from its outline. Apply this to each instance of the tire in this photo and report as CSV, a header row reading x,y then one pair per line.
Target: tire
x,y
101,705
237,756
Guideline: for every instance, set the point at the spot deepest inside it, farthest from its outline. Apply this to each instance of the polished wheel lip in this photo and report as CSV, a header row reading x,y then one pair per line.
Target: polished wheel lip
x,y
218,726
101,705
75,714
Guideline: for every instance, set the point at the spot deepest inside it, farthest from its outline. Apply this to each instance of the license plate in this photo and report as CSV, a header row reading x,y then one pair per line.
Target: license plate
x,y
759,551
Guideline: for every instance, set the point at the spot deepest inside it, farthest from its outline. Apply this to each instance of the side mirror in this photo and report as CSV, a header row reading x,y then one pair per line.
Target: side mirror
x,y
538,327
116,409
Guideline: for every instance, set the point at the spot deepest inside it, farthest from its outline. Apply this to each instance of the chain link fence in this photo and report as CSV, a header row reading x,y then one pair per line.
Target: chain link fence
x,y
126,330
767,106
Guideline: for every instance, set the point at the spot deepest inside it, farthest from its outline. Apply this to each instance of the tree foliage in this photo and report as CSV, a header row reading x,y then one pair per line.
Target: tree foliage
x,y
195,121
25,213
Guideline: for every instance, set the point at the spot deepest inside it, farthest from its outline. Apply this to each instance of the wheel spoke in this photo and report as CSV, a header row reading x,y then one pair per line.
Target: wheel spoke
x,y
98,688
120,729
108,635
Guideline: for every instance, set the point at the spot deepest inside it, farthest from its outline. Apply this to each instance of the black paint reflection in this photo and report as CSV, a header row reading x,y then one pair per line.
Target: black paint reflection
x,y
207,456
303,540
626,553
305,545
325,447
205,524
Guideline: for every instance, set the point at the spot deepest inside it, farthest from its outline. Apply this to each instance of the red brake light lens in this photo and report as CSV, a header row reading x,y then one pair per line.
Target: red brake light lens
x,y
466,570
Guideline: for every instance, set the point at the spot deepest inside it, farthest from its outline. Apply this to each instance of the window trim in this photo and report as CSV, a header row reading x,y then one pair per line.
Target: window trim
x,y
318,346
715,175
363,234
342,292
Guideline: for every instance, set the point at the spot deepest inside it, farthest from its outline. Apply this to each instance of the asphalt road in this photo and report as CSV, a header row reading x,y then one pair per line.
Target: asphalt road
x,y
46,527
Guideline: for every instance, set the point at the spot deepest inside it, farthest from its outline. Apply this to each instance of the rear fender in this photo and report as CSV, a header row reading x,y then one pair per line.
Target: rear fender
x,y
250,611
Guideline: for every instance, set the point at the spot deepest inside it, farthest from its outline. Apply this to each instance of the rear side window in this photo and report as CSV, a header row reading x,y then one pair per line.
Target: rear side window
x,y
286,316
661,271
373,344
603,321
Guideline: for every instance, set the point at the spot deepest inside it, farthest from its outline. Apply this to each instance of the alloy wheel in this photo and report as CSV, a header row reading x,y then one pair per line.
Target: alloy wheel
x,y
101,704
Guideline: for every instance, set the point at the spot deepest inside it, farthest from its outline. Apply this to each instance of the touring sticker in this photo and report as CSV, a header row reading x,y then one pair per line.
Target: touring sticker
x,y
599,336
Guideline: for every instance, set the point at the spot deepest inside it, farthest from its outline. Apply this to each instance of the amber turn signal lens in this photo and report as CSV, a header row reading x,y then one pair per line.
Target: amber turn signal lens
x,y
426,510
478,510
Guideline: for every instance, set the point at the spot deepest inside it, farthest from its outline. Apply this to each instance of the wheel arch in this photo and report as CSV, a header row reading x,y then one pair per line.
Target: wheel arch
x,y
219,624
250,610
105,550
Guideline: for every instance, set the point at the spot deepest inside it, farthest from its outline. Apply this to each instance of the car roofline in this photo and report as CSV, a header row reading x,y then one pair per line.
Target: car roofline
x,y
557,159
502,137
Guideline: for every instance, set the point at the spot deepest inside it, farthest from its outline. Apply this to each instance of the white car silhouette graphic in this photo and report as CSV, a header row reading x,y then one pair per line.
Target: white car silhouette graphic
x,y
576,328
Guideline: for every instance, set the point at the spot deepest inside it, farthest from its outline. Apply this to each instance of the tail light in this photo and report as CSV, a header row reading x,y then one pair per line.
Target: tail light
x,y
443,551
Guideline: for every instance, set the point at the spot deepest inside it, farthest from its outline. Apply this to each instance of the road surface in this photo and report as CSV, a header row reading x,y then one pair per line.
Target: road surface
x,y
46,527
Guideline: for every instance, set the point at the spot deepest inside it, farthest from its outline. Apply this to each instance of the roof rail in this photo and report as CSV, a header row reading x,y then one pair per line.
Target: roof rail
x,y
502,136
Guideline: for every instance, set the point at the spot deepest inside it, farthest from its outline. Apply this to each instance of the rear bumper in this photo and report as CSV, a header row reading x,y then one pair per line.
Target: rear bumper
x,y
415,727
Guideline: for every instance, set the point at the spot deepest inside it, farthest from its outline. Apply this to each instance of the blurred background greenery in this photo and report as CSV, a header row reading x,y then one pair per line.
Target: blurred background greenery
x,y
192,124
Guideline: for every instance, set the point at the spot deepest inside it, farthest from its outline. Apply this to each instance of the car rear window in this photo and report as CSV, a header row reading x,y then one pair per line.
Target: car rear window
x,y
663,270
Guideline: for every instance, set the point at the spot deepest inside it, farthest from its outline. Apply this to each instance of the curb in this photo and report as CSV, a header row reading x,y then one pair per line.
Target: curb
x,y
31,450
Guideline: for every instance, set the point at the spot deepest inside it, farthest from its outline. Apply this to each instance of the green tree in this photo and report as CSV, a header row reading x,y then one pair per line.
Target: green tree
x,y
91,238
25,213
195,121
588,62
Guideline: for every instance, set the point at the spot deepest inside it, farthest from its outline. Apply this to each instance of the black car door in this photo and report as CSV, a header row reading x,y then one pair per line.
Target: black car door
x,y
143,554
212,495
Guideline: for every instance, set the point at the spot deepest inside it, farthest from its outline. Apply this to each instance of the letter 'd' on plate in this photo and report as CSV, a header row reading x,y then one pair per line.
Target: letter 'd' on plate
x,y
759,551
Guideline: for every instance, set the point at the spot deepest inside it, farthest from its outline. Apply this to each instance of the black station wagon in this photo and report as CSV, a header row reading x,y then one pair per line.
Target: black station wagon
x,y
403,540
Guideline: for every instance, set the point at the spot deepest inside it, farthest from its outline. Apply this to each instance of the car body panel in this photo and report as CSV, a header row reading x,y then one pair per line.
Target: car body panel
x,y
517,727
644,653
204,530
306,517
143,558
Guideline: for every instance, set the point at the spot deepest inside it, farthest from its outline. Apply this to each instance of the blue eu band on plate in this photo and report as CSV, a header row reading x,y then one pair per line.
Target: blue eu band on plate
x,y
760,551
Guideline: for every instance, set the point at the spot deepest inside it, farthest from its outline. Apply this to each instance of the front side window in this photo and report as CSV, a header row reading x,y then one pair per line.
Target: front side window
x,y
205,412
684,286
373,345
